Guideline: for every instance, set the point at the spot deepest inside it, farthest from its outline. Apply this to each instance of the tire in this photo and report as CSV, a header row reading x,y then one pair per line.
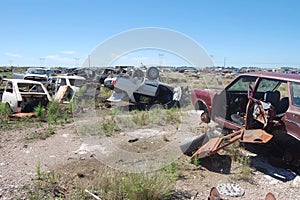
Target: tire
x,y
138,74
190,147
152,73
205,117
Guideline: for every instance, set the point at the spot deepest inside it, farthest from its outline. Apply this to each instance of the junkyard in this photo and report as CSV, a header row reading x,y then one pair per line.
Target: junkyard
x,y
168,134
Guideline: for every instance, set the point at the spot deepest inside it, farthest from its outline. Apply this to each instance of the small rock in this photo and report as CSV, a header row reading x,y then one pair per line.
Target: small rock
x,y
82,158
81,175
122,134
133,140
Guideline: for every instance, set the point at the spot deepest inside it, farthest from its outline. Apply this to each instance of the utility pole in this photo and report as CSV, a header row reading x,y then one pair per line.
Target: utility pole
x,y
224,62
161,58
42,61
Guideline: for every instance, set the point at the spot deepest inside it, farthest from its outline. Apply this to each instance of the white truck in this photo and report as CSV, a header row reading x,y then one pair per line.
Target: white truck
x,y
23,95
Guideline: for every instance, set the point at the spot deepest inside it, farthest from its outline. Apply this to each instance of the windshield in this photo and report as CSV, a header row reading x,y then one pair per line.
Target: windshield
x,y
39,71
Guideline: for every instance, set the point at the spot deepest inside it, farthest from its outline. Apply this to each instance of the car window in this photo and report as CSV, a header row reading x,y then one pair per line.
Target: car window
x,y
76,82
265,85
241,84
63,81
30,87
9,87
295,93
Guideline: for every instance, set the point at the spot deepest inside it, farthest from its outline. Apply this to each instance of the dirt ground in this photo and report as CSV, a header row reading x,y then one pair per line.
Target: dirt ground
x,y
68,152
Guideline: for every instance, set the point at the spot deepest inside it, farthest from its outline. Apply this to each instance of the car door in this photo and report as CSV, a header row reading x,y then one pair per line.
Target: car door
x,y
292,116
229,106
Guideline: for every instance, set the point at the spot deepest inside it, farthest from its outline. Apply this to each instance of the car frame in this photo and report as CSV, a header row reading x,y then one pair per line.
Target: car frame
x,y
143,91
23,95
252,101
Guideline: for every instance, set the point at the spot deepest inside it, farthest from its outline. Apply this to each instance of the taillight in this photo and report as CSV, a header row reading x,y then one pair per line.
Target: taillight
x,y
113,82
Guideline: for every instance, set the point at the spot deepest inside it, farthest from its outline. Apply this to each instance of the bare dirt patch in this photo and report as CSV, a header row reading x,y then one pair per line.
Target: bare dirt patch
x,y
64,153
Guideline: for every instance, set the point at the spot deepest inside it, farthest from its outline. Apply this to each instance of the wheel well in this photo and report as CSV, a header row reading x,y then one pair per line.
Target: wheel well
x,y
199,105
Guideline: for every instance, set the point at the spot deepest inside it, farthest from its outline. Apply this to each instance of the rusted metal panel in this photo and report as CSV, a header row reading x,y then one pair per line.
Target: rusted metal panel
x,y
256,136
215,144
207,149
61,93
22,115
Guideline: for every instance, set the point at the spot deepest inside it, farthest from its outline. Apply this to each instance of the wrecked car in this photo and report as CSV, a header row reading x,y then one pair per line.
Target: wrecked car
x,y
110,72
64,87
142,90
257,104
24,95
35,74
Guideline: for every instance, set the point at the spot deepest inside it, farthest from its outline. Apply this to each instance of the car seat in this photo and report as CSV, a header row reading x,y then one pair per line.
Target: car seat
x,y
273,98
282,107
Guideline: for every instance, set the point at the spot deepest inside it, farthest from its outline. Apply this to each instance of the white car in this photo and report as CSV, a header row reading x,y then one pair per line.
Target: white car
x,y
24,95
143,91
64,87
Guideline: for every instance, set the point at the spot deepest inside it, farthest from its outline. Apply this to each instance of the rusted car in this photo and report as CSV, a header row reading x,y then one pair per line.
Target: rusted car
x,y
23,95
268,102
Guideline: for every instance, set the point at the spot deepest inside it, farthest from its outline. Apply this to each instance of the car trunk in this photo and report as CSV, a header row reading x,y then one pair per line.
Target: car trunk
x,y
30,101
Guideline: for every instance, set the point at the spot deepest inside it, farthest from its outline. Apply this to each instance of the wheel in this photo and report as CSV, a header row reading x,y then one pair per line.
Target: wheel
x,y
138,74
152,73
205,117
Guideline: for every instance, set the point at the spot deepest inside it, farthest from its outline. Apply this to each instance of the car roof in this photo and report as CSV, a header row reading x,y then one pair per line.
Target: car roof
x,y
69,77
274,75
22,81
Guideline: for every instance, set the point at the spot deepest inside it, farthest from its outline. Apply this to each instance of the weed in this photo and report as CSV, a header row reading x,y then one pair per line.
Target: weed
x,y
196,161
71,107
104,182
109,126
38,171
152,186
39,111
5,111
173,171
47,186
234,151
53,112
246,170
141,118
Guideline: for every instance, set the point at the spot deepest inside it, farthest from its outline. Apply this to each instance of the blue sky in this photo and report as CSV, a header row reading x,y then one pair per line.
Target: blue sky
x,y
263,33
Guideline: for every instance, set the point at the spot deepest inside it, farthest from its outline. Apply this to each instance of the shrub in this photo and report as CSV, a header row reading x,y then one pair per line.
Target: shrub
x,y
109,126
5,111
39,111
53,112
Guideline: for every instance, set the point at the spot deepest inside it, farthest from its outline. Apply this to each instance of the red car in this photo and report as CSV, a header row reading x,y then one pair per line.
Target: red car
x,y
268,101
